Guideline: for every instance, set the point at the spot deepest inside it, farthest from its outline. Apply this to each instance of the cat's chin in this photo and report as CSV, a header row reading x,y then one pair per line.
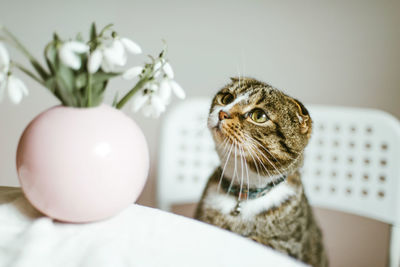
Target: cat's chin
x,y
217,133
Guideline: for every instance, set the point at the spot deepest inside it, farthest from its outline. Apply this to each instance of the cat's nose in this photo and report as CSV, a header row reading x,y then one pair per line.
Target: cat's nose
x,y
223,115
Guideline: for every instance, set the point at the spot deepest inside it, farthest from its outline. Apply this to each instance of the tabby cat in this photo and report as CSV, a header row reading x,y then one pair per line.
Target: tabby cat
x,y
260,135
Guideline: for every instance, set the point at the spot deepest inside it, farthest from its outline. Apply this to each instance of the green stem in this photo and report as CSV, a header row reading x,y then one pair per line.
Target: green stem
x,y
107,27
128,96
89,90
29,73
42,72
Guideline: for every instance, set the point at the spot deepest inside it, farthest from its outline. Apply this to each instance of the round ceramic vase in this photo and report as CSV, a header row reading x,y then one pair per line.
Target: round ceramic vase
x,y
82,164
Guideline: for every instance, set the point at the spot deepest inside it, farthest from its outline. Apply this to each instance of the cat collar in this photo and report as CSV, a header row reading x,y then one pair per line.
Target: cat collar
x,y
249,193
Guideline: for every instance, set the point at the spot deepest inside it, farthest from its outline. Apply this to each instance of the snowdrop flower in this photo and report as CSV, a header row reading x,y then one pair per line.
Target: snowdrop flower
x,y
4,60
168,84
156,94
68,53
15,87
115,55
94,61
132,73
151,104
131,46
110,57
155,107
165,91
3,83
4,67
163,67
168,70
149,100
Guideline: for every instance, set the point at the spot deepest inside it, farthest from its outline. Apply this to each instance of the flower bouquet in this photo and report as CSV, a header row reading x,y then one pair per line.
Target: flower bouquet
x,y
83,160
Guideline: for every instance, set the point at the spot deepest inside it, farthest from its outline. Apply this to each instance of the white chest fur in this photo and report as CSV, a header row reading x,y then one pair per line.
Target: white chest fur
x,y
226,203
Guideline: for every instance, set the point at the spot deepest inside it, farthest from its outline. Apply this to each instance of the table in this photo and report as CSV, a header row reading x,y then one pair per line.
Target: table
x,y
138,236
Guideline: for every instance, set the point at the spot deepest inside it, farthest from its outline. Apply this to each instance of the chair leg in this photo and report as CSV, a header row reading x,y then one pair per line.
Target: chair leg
x,y
395,246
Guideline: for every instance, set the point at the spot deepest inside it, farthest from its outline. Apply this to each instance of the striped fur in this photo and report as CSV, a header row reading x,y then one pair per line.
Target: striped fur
x,y
253,154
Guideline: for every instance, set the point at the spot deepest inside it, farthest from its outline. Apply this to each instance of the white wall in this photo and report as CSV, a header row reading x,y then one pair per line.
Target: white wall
x,y
337,52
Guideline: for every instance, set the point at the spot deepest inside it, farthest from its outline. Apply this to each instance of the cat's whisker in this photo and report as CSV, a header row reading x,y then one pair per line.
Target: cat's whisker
x,y
257,147
269,151
247,172
225,148
234,172
262,164
223,170
223,143
255,140
255,164
284,169
242,171
265,157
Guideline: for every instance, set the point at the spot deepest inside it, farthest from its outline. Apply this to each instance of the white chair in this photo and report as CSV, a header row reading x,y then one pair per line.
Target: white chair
x,y
352,162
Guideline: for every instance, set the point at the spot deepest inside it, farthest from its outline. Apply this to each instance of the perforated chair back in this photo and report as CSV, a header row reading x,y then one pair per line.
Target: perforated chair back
x,y
187,154
352,162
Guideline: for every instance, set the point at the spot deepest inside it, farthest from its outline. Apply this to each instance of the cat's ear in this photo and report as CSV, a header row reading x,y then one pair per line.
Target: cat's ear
x,y
304,118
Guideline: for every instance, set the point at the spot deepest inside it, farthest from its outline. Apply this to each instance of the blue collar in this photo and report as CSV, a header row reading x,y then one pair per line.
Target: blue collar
x,y
249,193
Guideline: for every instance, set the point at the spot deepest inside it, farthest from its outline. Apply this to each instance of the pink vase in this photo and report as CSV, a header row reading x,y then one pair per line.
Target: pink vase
x,y
82,164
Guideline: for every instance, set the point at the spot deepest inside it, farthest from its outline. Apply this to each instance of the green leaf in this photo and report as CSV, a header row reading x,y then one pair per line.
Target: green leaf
x,y
115,101
98,88
66,77
81,80
93,32
36,65
98,93
50,54
51,84
100,76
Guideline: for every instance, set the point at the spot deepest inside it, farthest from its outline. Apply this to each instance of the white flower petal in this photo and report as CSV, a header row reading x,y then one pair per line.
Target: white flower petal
x,y
177,89
3,78
4,59
94,61
16,89
131,46
168,70
148,111
77,47
68,53
139,100
165,91
158,103
132,73
3,83
157,69
115,53
69,58
157,65
107,67
153,87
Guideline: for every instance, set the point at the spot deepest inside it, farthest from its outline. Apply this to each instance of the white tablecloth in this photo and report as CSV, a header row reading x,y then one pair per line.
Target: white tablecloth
x,y
138,236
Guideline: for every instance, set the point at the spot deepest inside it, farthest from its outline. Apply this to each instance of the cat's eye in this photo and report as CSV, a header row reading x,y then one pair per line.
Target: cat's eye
x,y
258,115
226,98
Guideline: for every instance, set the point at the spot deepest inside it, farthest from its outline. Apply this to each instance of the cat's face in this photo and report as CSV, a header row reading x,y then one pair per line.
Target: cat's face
x,y
260,124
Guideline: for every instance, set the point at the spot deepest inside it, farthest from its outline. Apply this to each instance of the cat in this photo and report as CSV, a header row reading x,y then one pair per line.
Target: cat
x,y
260,135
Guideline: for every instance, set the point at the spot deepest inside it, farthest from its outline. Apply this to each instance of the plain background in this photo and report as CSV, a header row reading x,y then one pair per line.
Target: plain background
x,y
323,52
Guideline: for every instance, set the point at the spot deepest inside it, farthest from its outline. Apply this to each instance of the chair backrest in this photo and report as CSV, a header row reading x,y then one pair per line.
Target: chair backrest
x,y
352,162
